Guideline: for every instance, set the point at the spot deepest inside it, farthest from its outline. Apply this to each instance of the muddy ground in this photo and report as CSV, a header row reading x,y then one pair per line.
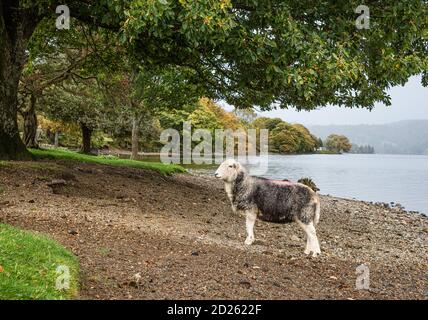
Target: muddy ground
x,y
140,235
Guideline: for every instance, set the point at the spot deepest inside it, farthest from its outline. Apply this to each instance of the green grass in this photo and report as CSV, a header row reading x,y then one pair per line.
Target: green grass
x,y
57,154
28,266
4,163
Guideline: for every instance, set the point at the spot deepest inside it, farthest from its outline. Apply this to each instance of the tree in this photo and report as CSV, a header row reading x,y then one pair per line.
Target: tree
x,y
320,143
264,53
53,130
266,123
78,102
142,94
338,143
68,72
366,149
285,137
209,115
62,55
247,116
307,142
203,114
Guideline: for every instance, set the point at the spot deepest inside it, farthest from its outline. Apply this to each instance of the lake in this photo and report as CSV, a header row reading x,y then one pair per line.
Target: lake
x,y
376,177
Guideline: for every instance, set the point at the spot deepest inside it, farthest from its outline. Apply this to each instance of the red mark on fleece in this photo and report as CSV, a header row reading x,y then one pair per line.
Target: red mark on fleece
x,y
283,182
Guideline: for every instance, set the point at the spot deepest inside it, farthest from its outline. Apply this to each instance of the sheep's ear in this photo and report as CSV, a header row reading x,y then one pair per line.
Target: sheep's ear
x,y
236,165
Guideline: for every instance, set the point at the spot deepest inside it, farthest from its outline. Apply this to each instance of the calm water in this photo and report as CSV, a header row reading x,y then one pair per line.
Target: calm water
x,y
385,178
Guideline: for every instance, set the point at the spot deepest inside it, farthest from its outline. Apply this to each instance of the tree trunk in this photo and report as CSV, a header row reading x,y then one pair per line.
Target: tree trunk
x,y
135,138
11,145
56,143
86,138
30,124
16,28
50,136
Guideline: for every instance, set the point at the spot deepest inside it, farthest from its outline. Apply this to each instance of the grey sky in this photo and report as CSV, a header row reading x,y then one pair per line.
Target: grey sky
x,y
408,102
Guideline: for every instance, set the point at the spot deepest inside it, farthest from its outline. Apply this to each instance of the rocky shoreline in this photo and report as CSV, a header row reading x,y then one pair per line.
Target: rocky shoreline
x,y
396,207
393,206
140,235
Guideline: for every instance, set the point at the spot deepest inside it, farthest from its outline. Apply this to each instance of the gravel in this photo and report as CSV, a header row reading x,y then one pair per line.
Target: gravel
x,y
179,236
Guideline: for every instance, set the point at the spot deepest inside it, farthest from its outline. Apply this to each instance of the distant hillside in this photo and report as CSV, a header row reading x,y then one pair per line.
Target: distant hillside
x,y
406,137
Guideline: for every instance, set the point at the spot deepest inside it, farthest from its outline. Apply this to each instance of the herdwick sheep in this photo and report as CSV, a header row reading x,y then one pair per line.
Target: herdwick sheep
x,y
275,200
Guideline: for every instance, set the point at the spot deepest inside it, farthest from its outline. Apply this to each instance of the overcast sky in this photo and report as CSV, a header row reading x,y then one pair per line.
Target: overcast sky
x,y
408,102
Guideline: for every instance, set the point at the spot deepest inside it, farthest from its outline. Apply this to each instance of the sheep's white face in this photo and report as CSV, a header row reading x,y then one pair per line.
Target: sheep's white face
x,y
228,170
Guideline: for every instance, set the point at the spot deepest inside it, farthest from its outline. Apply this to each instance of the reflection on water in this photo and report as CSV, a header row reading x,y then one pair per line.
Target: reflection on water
x,y
387,178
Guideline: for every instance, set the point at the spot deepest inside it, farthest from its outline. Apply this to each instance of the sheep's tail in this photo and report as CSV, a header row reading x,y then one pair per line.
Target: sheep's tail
x,y
317,211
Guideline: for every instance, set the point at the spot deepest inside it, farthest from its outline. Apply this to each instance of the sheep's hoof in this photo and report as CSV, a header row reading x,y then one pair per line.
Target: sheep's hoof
x,y
249,241
314,253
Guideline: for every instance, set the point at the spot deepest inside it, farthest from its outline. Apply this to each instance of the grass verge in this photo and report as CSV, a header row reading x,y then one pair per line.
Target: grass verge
x,y
28,267
3,163
57,154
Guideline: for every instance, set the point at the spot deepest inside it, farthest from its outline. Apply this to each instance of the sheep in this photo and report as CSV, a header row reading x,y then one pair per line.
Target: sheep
x,y
277,201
